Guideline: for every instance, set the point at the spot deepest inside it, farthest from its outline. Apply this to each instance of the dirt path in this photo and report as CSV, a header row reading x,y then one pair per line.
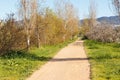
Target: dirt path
x,y
70,63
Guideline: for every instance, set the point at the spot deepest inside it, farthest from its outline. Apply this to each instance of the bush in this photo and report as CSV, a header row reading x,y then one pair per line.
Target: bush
x,y
12,37
104,33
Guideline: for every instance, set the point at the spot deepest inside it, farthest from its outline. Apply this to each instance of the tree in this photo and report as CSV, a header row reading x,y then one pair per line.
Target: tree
x,y
116,6
85,26
51,27
68,13
28,10
10,33
72,21
38,27
90,23
92,13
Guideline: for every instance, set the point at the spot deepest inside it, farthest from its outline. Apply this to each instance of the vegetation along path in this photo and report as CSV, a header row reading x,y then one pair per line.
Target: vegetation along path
x,y
71,63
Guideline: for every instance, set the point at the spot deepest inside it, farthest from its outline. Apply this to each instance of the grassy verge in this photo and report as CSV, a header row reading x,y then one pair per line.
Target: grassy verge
x,y
104,59
19,65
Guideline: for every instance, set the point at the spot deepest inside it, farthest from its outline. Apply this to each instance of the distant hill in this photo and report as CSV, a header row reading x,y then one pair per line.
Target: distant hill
x,y
115,20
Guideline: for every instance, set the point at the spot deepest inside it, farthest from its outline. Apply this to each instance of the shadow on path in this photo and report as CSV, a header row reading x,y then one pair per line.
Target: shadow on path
x,y
67,59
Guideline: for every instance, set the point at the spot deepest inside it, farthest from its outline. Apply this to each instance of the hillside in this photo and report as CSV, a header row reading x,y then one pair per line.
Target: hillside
x,y
115,20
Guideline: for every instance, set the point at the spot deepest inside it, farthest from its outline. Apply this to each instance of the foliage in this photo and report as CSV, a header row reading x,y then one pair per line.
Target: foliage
x,y
104,59
102,32
10,36
36,29
18,65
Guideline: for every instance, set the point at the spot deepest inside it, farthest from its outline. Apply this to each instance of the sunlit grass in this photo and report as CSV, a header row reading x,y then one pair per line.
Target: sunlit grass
x,y
19,64
104,59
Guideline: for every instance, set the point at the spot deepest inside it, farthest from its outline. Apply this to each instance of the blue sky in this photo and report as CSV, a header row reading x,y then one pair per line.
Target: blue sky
x,y
9,6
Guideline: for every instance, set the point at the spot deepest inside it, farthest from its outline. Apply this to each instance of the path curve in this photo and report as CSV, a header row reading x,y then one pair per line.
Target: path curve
x,y
71,63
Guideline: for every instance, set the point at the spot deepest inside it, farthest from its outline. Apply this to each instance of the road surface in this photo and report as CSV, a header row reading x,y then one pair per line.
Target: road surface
x,y
70,63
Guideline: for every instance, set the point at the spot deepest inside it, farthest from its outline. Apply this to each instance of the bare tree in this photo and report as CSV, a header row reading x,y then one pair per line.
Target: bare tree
x,y
67,11
72,21
28,10
116,6
92,13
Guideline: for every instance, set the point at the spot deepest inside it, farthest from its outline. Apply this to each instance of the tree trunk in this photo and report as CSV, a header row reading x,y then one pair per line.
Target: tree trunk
x,y
28,42
38,40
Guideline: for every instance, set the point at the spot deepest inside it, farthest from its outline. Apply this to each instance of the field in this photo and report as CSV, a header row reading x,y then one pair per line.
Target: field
x,y
104,59
19,65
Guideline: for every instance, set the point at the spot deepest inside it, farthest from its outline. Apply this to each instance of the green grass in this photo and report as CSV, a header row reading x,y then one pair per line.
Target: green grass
x,y
104,59
19,65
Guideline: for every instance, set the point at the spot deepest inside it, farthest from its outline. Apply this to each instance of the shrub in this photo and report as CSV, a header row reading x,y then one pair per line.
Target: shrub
x,y
104,33
12,37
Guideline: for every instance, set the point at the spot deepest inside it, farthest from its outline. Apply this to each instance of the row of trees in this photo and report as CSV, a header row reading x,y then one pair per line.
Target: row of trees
x,y
104,32
38,27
